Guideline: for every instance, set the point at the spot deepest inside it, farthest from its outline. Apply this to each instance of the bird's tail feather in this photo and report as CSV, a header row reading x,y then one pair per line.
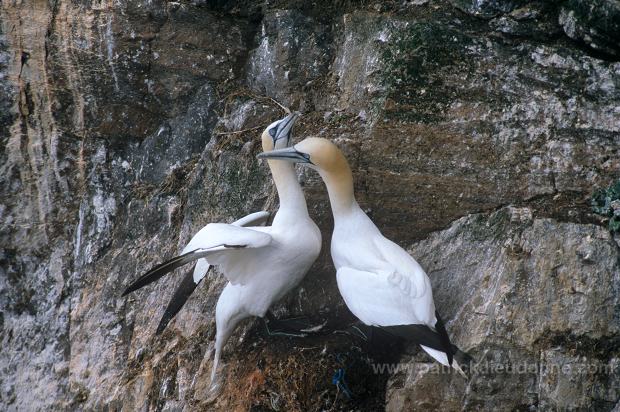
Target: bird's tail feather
x,y
432,343
443,337
441,357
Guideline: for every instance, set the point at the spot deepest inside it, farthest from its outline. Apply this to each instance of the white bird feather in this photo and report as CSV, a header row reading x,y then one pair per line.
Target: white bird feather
x,y
380,282
261,263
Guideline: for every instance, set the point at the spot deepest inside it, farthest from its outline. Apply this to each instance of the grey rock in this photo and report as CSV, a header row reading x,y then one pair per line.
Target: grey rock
x,y
540,319
488,8
534,20
124,130
595,23
293,51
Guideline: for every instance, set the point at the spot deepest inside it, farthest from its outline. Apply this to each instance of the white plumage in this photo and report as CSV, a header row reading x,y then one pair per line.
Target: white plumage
x,y
380,282
261,263
202,266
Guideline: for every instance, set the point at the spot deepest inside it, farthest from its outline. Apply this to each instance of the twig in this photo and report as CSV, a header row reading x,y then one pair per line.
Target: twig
x,y
286,109
237,131
303,349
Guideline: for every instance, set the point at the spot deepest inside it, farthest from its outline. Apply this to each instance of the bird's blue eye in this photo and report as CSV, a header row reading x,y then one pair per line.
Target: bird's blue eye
x,y
272,131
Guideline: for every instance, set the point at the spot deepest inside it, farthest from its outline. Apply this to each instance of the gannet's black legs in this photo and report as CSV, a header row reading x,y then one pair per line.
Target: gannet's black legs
x,y
359,330
297,327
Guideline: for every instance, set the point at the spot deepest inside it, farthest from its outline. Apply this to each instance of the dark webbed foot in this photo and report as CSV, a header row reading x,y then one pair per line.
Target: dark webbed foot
x,y
358,330
295,327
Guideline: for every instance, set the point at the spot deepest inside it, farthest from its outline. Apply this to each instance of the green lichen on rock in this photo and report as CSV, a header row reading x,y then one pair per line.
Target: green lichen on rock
x,y
241,179
606,202
415,63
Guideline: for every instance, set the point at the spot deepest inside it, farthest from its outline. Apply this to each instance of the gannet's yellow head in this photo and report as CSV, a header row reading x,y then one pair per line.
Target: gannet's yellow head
x,y
317,153
278,134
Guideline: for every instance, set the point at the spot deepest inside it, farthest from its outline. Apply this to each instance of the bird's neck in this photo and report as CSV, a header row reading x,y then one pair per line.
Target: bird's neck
x,y
340,189
289,191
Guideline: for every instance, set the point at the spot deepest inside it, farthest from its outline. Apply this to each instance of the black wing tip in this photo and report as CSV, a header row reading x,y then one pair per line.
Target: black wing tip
x,y
423,335
156,273
234,246
161,327
133,287
129,290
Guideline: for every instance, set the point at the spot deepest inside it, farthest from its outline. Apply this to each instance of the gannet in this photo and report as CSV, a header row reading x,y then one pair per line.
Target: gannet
x,y
380,282
261,263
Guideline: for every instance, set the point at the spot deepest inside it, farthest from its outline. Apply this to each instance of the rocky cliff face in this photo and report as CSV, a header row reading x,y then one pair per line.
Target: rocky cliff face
x,y
477,131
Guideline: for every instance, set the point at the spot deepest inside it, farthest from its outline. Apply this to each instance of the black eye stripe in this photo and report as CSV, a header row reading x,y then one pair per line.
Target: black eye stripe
x,y
287,121
272,131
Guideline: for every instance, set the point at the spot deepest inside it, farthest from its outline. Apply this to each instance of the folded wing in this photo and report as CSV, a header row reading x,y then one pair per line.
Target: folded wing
x,y
378,301
407,274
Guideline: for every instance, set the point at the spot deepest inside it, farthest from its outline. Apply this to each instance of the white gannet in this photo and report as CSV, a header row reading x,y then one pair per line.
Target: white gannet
x,y
261,263
380,282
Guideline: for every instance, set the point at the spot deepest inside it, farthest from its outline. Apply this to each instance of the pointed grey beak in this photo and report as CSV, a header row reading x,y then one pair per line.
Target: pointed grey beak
x,y
290,154
284,128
